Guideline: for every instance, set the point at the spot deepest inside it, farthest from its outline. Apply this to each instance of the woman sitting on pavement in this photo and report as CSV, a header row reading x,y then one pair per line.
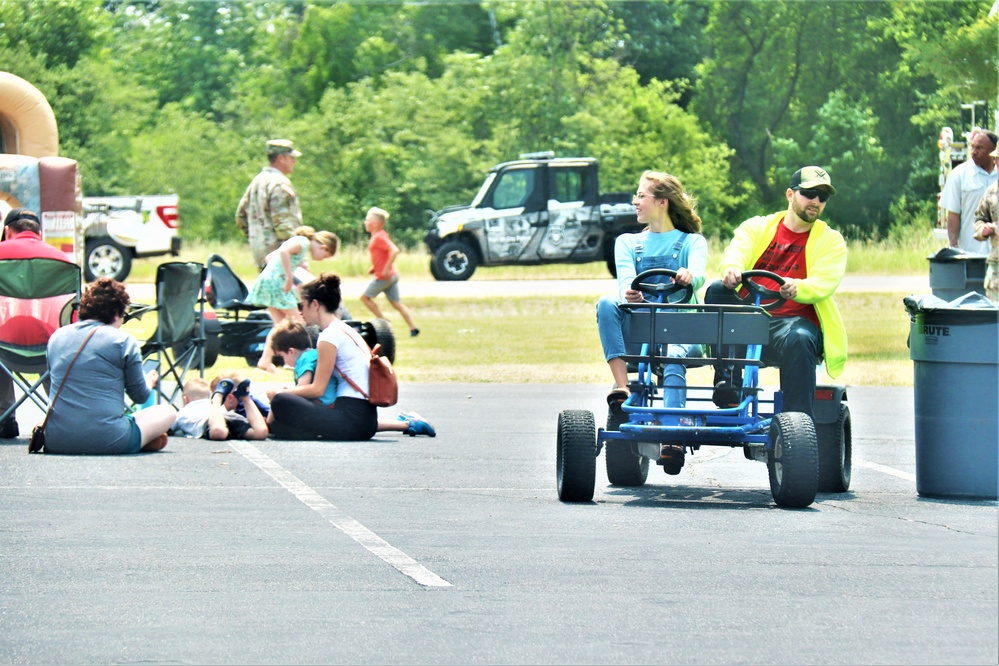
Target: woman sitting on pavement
x,y
293,346
89,416
298,412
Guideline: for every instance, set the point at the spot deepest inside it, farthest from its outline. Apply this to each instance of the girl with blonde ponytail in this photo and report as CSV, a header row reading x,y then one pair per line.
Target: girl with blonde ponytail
x,y
275,287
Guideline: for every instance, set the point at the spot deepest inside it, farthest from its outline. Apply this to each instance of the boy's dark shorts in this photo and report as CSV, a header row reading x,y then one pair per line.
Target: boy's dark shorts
x,y
237,424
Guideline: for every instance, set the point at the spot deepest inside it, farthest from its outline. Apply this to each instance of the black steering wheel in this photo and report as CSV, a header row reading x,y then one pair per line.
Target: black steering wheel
x,y
769,299
662,289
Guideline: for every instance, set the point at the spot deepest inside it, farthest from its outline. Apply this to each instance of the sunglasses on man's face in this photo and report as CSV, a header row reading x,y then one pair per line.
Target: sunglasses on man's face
x,y
821,195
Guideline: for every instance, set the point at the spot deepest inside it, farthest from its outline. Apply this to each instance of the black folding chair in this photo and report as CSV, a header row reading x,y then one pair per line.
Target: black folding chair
x,y
37,296
224,290
178,343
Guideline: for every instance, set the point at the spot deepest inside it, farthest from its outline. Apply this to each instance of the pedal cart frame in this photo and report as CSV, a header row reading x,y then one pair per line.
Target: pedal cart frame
x,y
802,457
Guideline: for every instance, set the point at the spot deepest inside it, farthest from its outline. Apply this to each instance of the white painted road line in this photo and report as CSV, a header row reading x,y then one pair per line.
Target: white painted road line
x,y
355,530
885,470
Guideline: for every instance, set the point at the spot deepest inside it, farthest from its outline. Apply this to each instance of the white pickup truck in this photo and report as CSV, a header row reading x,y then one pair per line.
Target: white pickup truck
x,y
118,229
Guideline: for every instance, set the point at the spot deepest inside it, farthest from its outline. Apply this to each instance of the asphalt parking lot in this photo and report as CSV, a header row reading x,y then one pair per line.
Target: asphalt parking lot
x,y
456,550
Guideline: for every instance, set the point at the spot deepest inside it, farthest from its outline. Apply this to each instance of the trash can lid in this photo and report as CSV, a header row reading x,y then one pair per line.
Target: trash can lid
x,y
949,254
969,309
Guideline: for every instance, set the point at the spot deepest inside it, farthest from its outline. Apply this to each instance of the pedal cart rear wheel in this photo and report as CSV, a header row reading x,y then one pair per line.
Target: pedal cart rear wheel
x,y
835,453
576,455
793,460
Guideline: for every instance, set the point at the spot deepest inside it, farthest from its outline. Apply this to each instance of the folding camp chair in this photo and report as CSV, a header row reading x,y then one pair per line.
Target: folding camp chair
x,y
178,343
225,291
37,296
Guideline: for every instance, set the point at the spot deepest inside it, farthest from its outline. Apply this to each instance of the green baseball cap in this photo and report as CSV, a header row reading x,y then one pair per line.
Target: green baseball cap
x,y
810,177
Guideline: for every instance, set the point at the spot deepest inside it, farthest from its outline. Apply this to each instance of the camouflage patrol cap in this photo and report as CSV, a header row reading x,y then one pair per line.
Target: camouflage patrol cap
x,y
280,146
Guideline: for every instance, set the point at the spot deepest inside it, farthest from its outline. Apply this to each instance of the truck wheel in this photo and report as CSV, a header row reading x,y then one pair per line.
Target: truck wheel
x,y
793,460
624,466
612,266
576,456
433,269
455,261
385,337
835,453
106,258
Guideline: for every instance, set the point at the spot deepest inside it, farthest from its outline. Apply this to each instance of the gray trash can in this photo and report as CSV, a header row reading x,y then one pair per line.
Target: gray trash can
x,y
954,347
954,273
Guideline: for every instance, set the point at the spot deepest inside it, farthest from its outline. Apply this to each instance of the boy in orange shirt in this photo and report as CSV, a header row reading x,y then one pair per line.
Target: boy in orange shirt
x,y
383,253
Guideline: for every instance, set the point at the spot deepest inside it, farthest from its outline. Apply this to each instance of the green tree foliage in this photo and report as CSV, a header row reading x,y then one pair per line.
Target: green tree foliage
x,y
189,51
768,74
664,39
953,47
190,154
843,138
57,32
406,105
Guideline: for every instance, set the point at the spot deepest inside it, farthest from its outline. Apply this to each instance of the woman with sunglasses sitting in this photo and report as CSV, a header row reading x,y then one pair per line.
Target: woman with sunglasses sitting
x,y
671,240
297,412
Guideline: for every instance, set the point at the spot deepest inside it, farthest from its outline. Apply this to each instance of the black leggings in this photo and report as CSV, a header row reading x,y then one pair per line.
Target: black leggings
x,y
347,419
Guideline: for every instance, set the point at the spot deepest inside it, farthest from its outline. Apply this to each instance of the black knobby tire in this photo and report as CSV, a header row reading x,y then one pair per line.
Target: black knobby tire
x,y
624,466
455,261
835,453
793,460
105,257
611,265
433,270
576,456
213,345
384,337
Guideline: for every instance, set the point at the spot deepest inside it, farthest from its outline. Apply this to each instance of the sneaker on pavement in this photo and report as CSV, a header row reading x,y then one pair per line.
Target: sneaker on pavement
x,y
417,426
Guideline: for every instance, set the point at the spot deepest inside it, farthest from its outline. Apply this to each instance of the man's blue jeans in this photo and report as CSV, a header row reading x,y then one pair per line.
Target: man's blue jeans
x,y
613,324
795,347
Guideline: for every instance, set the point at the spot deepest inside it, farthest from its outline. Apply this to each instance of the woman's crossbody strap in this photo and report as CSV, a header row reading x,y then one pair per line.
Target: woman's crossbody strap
x,y
340,372
66,376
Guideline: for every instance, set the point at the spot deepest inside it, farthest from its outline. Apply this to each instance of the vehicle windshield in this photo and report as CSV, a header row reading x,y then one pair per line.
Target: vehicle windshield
x,y
485,188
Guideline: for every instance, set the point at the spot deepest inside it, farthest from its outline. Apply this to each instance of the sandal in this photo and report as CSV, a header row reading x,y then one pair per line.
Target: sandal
x,y
617,396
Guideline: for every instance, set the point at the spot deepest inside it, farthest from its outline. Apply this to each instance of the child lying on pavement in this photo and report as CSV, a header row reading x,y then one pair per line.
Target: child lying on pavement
x,y
208,414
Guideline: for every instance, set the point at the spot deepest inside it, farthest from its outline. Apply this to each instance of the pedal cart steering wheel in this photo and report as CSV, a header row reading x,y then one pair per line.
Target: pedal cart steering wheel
x,y
662,289
760,295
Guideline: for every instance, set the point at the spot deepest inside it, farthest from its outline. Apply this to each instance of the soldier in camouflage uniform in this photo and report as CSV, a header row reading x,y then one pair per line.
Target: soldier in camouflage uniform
x,y
268,213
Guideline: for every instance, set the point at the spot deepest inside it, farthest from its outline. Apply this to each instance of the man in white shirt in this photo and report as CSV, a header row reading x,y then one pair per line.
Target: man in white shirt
x,y
964,189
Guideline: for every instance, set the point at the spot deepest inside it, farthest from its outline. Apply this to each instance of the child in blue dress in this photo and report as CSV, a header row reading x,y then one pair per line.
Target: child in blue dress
x,y
275,287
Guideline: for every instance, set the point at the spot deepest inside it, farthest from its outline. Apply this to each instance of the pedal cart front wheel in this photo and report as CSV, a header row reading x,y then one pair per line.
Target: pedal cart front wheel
x,y
793,460
576,455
